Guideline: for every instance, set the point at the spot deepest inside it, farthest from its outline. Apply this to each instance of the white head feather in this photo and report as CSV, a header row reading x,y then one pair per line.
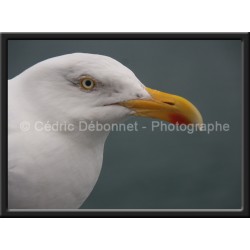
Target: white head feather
x,y
51,170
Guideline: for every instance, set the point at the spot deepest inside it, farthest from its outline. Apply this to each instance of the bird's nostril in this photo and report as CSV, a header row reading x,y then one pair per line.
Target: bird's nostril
x,y
138,95
169,103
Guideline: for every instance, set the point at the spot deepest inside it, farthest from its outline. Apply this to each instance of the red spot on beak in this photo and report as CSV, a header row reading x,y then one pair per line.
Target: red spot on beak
x,y
179,119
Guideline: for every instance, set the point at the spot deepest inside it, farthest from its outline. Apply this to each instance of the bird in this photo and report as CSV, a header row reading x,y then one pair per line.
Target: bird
x,y
50,169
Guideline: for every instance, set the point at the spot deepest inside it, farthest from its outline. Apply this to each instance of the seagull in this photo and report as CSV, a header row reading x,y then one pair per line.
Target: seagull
x,y
58,169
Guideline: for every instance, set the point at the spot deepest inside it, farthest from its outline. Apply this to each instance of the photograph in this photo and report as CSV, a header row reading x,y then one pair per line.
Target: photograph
x,y
124,125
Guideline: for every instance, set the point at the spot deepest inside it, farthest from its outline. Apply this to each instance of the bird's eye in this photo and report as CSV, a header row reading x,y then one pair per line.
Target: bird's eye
x,y
87,83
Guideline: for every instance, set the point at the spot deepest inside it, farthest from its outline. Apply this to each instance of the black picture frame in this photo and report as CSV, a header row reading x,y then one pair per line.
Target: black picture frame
x,y
4,212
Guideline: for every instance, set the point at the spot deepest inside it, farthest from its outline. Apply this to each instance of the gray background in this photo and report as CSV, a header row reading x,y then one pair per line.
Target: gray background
x,y
156,170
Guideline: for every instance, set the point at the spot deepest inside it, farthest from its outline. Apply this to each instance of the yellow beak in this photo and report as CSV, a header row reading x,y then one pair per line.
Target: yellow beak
x,y
167,107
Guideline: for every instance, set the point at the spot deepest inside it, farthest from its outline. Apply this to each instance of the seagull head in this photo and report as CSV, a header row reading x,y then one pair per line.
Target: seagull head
x,y
93,87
